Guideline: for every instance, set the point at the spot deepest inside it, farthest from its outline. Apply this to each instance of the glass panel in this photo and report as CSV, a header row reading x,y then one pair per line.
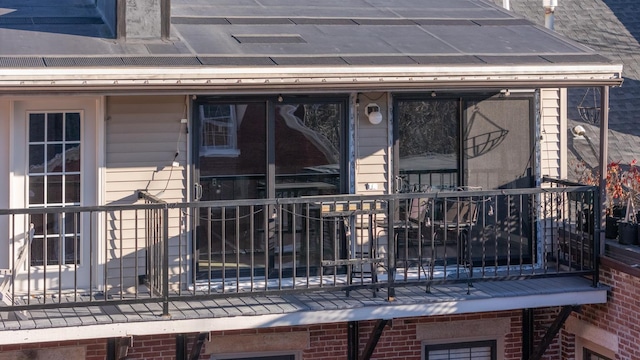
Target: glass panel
x,y
36,127
36,159
498,148
53,224
307,149
237,175
54,251
72,127
72,158
38,224
72,189
71,223
54,189
71,248
307,162
428,144
54,158
55,126
37,252
36,190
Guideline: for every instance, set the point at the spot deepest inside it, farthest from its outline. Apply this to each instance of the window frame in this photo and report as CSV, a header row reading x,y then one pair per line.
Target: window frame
x,y
231,124
64,234
491,343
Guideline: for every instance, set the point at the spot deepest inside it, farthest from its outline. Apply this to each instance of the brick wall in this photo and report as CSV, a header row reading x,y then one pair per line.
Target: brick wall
x,y
400,341
620,316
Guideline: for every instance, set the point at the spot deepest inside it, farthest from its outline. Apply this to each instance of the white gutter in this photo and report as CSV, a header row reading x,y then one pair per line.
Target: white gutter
x,y
300,77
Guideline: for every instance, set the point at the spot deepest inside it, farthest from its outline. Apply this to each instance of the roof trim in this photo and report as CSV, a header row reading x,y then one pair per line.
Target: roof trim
x,y
265,78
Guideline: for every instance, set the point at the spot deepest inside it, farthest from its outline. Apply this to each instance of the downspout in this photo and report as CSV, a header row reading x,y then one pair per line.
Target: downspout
x,y
549,9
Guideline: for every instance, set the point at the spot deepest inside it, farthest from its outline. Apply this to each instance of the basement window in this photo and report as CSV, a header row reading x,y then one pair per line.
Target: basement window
x,y
477,350
261,357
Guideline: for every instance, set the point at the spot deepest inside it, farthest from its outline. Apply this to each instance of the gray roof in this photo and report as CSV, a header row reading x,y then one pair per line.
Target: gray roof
x,y
612,28
424,34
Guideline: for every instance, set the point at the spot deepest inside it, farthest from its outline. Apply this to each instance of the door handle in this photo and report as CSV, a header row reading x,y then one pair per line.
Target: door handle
x,y
197,191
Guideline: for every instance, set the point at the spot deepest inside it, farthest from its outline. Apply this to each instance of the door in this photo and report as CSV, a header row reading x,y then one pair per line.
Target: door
x,y
55,152
262,149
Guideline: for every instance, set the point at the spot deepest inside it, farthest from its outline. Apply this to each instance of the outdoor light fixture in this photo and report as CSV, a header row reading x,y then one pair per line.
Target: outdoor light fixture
x,y
578,132
374,114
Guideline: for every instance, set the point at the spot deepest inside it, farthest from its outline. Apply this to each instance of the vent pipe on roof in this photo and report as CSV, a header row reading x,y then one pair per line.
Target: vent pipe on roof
x,y
143,19
505,4
549,9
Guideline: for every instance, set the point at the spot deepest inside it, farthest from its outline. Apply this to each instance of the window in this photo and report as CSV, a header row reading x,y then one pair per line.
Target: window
x,y
263,357
218,130
477,350
54,159
592,355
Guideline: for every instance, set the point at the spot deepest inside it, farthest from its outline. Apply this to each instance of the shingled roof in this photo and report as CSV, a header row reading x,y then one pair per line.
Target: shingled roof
x,y
612,28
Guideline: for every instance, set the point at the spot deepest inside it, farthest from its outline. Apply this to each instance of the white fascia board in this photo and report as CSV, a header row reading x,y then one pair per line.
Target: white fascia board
x,y
391,311
184,77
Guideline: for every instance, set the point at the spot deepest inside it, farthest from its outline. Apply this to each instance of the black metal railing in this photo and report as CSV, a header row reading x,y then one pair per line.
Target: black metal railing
x,y
163,252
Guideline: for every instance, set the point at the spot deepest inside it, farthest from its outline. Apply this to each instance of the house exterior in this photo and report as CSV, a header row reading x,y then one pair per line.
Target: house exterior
x,y
292,181
604,329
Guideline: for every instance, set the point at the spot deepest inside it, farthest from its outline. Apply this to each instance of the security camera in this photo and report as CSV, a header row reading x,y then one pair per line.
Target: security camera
x,y
578,131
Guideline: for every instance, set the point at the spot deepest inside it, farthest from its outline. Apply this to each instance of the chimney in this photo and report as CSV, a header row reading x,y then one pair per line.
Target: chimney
x,y
143,19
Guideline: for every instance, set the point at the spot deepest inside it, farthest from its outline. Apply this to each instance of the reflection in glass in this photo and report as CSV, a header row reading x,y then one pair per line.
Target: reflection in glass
x,y
233,144
36,159
428,138
72,189
54,158
72,158
36,127
55,126
54,189
36,190
72,127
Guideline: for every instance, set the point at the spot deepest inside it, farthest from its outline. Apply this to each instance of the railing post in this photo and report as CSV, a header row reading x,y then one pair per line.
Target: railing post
x,y
165,261
391,248
597,230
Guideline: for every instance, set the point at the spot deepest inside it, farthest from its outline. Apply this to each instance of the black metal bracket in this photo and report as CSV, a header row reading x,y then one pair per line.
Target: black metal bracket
x,y
197,345
373,339
553,330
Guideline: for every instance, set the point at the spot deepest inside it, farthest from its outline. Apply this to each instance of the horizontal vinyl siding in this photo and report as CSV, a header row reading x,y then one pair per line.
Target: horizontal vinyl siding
x,y
143,134
550,128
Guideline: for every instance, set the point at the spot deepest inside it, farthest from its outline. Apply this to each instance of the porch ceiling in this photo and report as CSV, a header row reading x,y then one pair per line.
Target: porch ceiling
x,y
295,45
232,313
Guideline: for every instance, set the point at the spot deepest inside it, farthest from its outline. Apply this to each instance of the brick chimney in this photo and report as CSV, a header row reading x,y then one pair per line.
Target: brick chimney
x,y
143,19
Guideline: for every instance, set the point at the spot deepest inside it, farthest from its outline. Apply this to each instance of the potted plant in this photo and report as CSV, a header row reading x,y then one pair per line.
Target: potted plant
x,y
628,227
614,193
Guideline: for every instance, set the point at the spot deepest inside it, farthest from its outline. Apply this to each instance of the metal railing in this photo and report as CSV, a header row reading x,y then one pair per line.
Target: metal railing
x,y
164,252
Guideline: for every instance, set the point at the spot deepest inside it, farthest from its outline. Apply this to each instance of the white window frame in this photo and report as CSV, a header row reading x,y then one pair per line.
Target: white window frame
x,y
63,234
230,148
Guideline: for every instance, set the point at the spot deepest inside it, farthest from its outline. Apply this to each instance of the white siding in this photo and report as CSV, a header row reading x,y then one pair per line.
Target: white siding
x,y
143,134
550,128
372,151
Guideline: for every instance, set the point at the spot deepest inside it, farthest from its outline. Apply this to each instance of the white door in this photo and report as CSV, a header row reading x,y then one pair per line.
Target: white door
x,y
55,147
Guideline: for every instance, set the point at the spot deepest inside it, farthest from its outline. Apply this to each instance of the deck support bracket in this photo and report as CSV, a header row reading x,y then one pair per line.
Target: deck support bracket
x,y
122,346
197,345
553,330
373,339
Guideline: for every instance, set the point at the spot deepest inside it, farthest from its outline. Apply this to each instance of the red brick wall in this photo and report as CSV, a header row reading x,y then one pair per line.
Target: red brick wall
x,y
620,315
329,341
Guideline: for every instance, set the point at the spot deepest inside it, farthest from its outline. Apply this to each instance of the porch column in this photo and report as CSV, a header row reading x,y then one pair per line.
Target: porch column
x,y
604,160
